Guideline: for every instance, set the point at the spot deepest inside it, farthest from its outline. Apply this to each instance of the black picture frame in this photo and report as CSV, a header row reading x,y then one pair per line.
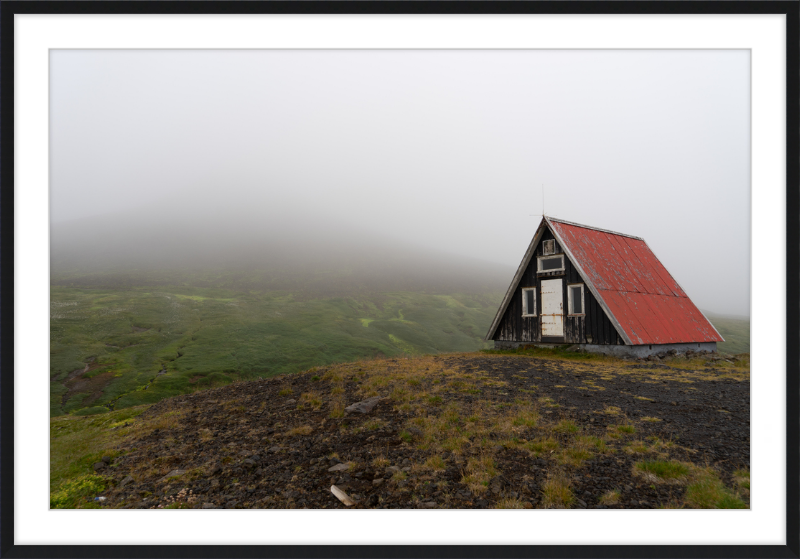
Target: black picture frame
x,y
8,492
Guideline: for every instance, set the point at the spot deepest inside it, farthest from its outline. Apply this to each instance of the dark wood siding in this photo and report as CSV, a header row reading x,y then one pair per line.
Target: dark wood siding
x,y
514,327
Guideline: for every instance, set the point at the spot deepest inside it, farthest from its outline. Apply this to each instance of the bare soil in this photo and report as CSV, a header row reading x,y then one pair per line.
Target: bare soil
x,y
270,443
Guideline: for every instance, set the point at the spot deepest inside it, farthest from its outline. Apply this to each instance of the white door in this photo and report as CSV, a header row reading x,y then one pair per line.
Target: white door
x,y
552,308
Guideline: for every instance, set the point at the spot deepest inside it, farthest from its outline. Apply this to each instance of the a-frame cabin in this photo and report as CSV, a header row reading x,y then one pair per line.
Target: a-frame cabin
x,y
605,291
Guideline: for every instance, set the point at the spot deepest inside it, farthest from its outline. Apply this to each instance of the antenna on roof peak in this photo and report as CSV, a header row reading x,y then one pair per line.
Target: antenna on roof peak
x,y
542,214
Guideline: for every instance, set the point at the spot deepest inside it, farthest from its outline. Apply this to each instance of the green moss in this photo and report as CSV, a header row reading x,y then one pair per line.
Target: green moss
x,y
74,493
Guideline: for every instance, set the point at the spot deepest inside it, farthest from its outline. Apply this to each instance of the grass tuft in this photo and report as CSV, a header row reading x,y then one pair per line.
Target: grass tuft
x,y
663,469
302,430
556,493
612,497
708,492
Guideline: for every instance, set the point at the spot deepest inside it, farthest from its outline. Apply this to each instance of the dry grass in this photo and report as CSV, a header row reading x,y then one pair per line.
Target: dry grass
x,y
435,463
205,435
399,475
310,399
566,426
337,409
573,456
542,445
636,447
478,473
301,430
548,402
742,480
556,492
611,497
509,503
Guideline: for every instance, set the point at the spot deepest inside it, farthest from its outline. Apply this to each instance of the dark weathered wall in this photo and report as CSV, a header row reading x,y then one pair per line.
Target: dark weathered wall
x,y
516,328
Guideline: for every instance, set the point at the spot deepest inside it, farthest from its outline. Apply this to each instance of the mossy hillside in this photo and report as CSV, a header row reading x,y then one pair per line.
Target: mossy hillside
x,y
735,330
204,337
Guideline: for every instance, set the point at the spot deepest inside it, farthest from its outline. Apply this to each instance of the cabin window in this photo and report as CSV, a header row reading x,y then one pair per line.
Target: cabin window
x,y
529,301
575,296
549,247
551,264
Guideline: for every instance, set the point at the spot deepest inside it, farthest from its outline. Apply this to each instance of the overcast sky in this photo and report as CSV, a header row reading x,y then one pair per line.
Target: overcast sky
x,y
448,150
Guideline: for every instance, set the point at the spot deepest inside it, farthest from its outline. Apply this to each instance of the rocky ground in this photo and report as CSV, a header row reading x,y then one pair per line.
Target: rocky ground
x,y
455,431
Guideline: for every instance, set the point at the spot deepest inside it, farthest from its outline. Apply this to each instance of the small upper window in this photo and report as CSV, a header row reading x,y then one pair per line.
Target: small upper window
x,y
549,247
529,301
576,299
551,263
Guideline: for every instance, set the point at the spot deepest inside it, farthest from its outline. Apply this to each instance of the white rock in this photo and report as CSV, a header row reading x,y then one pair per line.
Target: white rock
x,y
173,473
342,496
339,468
364,406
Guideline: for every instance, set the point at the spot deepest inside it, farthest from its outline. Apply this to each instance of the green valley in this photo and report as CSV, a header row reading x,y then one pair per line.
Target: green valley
x,y
117,348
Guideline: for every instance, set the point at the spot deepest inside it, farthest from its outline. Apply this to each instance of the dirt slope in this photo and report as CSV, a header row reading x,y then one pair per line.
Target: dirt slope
x,y
455,431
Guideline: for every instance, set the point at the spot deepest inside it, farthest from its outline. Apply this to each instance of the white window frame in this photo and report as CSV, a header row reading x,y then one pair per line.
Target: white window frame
x,y
545,244
539,263
525,308
569,297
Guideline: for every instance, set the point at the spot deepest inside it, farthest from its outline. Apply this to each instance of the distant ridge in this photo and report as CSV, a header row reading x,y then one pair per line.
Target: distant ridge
x,y
254,250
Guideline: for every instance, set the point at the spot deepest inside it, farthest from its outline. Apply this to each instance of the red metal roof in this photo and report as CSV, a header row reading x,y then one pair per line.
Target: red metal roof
x,y
646,302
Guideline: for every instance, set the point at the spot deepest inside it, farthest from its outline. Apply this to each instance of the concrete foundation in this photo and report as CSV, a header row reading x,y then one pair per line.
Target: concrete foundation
x,y
622,350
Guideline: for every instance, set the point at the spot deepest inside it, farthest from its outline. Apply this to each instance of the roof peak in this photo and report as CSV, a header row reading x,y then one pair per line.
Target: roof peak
x,y
548,219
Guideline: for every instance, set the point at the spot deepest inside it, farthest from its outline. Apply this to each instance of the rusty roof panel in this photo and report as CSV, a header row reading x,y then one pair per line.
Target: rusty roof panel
x,y
656,268
671,328
657,329
581,252
649,279
628,261
627,319
633,285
